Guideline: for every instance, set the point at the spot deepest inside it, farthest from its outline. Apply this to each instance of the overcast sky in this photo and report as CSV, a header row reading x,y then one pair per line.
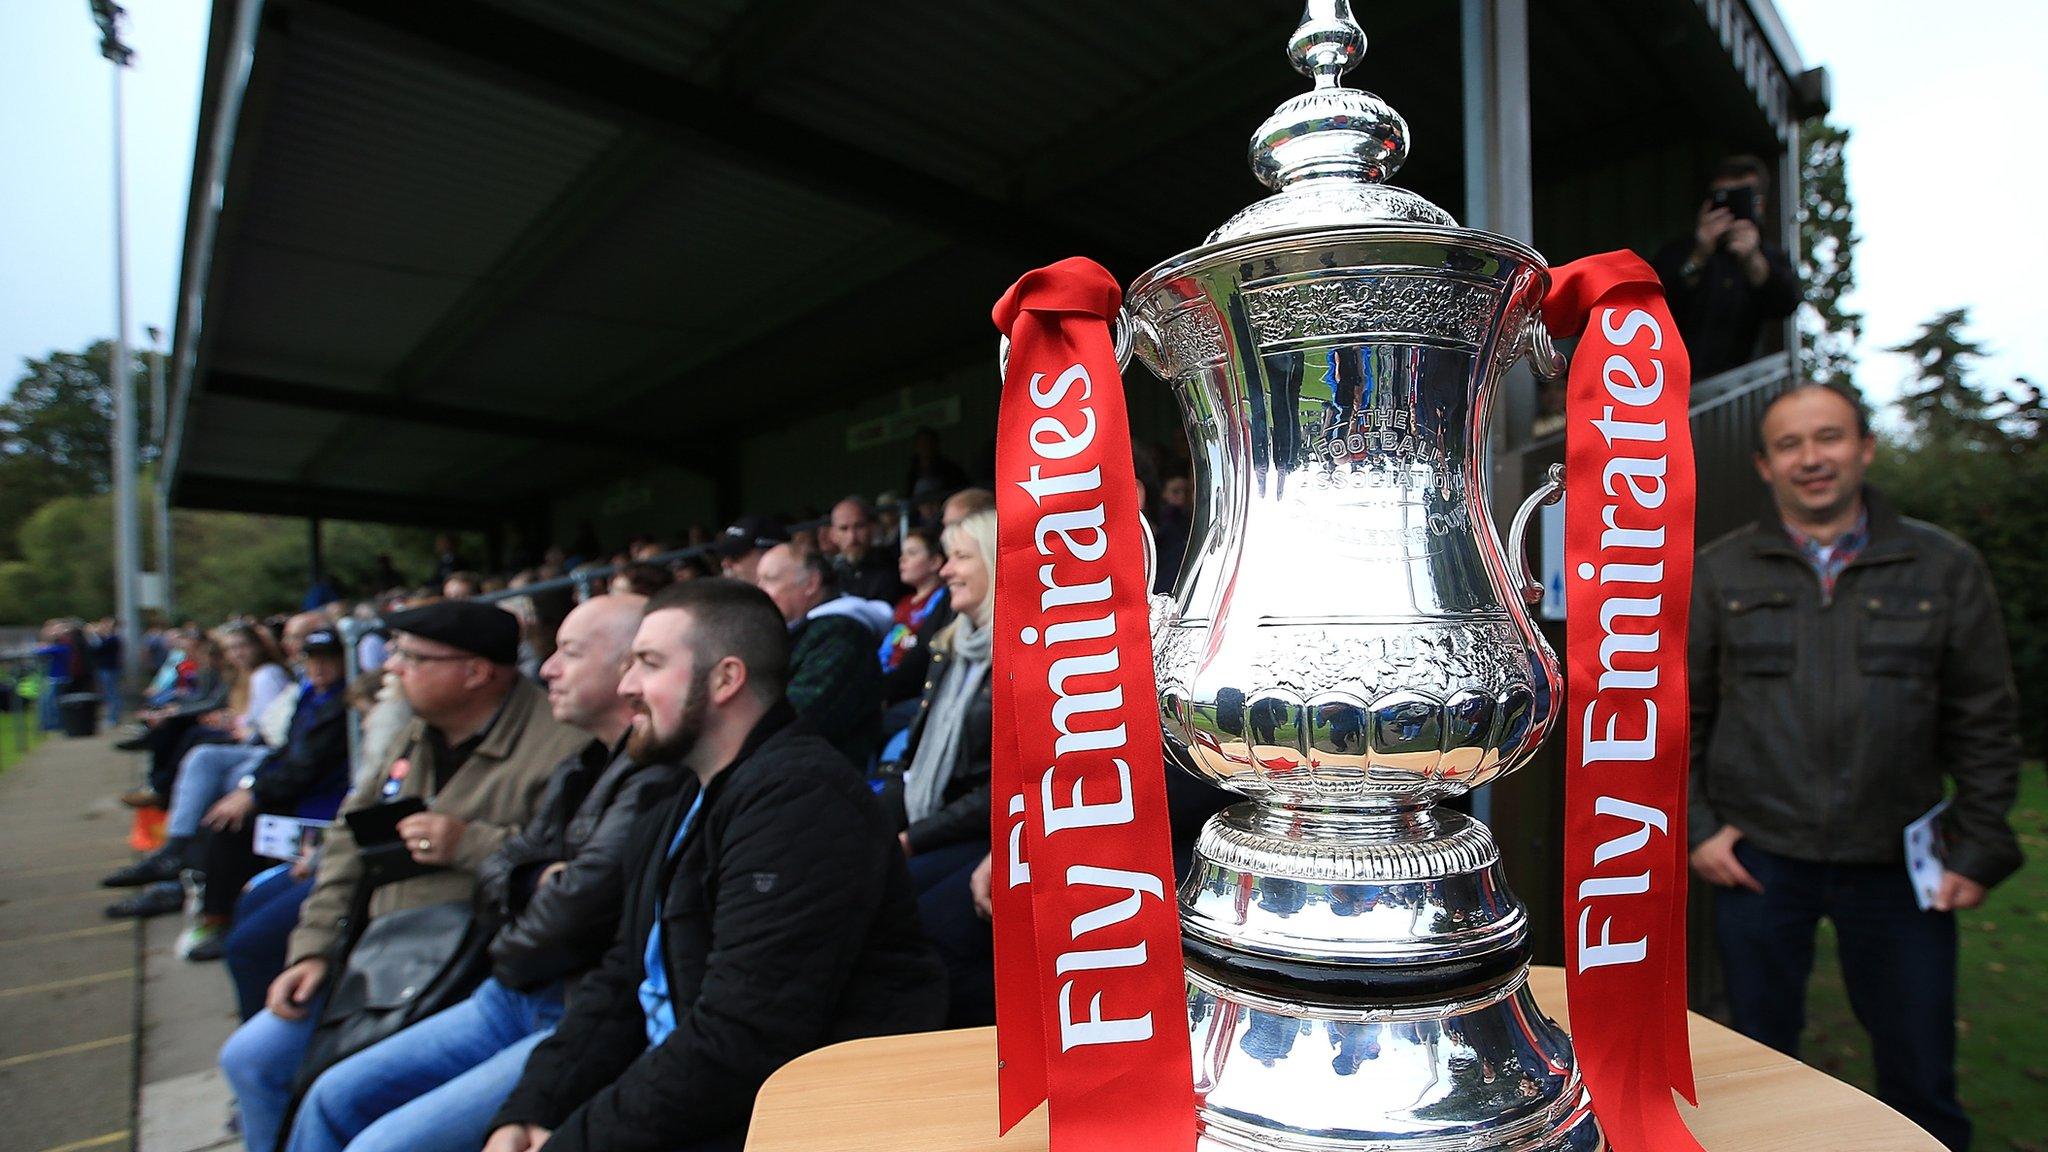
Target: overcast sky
x,y
1944,170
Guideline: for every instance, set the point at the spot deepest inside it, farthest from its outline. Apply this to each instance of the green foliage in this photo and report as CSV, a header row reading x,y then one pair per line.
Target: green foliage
x,y
1827,257
57,434
1975,463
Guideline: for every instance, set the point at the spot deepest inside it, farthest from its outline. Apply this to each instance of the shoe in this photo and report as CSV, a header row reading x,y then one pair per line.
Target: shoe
x,y
154,868
135,743
203,941
155,900
143,798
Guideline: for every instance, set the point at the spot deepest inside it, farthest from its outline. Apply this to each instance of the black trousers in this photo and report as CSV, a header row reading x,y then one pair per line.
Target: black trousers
x,y
229,860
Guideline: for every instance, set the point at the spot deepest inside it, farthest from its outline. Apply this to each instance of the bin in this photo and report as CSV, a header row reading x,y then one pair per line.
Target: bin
x,y
79,712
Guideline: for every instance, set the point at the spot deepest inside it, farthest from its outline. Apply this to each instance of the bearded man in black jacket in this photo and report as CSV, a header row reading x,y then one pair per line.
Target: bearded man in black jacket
x,y
771,913
551,891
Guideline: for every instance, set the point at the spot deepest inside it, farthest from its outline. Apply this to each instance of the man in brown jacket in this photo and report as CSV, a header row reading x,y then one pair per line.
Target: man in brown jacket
x,y
478,752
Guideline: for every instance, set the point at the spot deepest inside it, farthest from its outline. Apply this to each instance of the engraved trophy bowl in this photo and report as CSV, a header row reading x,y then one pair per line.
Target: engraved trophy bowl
x,y
1347,644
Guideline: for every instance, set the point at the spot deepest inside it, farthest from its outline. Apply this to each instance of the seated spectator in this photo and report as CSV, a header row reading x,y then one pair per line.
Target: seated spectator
x,y
862,565
905,651
267,909
834,680
769,913
461,586
964,503
553,889
201,712
478,753
640,579
1725,279
945,775
205,774
306,779
742,544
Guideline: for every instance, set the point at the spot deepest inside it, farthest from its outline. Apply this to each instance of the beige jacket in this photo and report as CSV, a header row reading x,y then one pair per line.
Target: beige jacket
x,y
495,791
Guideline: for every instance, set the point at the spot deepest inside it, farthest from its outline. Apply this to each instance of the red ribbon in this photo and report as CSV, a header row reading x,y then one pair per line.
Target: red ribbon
x,y
1091,1003
1628,588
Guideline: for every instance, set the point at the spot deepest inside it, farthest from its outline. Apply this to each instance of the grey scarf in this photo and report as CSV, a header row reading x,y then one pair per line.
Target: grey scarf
x,y
938,746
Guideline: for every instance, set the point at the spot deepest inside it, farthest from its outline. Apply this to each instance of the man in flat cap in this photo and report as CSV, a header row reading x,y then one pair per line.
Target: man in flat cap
x,y
741,545
478,752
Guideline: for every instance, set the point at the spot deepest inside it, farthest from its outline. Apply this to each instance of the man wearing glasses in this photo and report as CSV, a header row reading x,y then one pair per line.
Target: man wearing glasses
x,y
478,752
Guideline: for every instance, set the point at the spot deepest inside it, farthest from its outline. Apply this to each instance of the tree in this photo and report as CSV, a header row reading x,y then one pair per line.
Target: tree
x,y
57,434
1972,463
1827,256
1948,406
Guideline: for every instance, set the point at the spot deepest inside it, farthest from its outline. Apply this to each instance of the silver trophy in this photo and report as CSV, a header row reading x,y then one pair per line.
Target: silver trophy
x,y
1348,645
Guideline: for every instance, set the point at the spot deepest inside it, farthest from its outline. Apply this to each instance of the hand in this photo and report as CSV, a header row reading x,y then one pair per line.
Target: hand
x,y
1957,893
295,988
431,837
978,884
550,872
903,842
239,731
230,811
301,869
517,1138
1743,238
1715,861
1713,224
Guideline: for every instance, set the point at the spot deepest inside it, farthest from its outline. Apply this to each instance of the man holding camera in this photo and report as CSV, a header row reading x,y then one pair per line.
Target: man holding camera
x,y
1725,279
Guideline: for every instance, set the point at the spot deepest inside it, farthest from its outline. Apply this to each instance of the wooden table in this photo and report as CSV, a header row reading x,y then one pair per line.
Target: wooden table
x,y
936,1092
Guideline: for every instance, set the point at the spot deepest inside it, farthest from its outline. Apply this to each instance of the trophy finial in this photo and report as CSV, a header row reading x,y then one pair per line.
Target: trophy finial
x,y
1328,43
1331,131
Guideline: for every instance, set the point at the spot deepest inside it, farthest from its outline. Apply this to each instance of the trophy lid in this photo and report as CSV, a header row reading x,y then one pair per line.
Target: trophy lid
x,y
1328,152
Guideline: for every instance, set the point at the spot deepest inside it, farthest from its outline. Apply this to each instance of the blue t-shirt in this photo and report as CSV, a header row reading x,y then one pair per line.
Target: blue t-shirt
x,y
655,1004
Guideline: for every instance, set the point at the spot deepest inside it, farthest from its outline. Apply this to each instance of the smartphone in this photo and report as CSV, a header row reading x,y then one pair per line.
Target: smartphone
x,y
1740,202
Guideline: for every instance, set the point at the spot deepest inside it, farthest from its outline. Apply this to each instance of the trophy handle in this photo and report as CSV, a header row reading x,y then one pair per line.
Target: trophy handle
x,y
1518,557
1119,339
1544,358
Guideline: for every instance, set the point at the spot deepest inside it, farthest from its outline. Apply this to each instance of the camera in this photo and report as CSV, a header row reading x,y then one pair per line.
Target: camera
x,y
1740,202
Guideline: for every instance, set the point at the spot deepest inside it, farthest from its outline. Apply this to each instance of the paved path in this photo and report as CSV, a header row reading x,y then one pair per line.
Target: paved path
x,y
68,984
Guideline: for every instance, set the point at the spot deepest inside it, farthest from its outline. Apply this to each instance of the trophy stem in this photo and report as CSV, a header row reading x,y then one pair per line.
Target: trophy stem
x,y
1333,953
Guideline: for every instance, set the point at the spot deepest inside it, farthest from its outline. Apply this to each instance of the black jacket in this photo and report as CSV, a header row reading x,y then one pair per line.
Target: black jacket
x,y
1822,727
314,759
788,924
965,814
1720,313
585,819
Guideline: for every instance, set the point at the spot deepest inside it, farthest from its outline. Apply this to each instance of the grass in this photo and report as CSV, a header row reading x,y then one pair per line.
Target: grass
x,y
2002,1048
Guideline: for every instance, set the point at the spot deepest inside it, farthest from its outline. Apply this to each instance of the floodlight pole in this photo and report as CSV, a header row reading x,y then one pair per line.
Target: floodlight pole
x,y
127,533
161,498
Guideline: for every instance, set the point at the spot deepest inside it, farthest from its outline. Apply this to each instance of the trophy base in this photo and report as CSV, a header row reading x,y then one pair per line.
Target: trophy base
x,y
1368,990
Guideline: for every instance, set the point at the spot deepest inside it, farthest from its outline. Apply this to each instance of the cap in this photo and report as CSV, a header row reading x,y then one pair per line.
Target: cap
x,y
485,630
750,533
321,642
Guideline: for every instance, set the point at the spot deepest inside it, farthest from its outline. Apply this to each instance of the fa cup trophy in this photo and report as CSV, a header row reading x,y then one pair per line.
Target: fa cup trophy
x,y
1348,645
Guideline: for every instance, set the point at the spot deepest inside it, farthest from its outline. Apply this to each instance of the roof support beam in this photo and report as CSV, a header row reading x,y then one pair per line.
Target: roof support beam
x,y
234,494
425,413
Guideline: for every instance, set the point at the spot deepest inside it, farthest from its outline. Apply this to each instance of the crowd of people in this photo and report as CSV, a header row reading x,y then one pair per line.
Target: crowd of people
x,y
626,845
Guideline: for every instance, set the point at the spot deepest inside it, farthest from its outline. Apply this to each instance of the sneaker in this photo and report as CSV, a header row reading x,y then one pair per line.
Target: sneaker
x,y
203,941
156,900
134,743
154,868
143,798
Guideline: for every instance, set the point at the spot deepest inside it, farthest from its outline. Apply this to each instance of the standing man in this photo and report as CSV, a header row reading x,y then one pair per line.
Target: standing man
x,y
554,890
769,914
1725,279
478,752
863,567
834,679
1848,666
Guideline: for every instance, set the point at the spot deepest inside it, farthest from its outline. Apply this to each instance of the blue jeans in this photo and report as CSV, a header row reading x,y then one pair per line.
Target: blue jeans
x,y
433,1087
110,692
47,716
259,1062
265,914
1898,962
207,773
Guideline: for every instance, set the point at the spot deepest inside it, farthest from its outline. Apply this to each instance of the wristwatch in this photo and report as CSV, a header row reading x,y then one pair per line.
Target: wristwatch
x,y
1690,268
246,782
